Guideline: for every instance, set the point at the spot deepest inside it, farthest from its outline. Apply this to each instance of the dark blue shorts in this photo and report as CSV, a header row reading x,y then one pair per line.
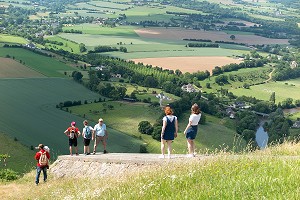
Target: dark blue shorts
x,y
73,142
191,132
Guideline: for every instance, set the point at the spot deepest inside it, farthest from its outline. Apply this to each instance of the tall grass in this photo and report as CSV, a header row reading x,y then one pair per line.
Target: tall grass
x,y
257,175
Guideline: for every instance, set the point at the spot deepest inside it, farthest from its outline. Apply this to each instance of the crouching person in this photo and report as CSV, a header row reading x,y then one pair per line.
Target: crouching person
x,y
42,158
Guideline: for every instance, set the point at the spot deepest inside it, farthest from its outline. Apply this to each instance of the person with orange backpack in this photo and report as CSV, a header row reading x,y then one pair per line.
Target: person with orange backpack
x,y
42,157
73,133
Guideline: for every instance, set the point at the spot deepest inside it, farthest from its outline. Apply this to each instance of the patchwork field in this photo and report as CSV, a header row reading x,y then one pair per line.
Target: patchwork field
x,y
176,33
28,113
10,68
188,64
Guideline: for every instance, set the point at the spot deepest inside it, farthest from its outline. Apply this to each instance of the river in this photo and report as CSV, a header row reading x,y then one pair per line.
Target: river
x,y
261,136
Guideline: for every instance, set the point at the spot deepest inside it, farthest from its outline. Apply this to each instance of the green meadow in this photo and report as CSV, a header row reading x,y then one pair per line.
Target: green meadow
x,y
67,44
4,38
42,64
282,90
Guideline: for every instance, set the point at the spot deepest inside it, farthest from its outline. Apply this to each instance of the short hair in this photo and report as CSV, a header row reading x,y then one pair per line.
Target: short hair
x,y
168,110
195,109
85,122
100,120
41,146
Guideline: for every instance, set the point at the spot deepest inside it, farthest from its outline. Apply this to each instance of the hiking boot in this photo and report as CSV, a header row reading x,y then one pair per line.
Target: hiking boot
x,y
77,154
105,152
88,154
94,152
161,156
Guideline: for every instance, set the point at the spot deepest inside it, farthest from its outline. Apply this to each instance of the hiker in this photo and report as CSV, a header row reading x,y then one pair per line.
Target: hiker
x,y
192,128
73,133
169,131
42,157
100,134
87,133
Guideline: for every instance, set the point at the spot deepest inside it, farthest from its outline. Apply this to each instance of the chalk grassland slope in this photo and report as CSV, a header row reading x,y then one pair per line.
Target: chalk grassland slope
x,y
4,38
188,64
250,176
125,117
28,113
176,33
21,157
42,64
10,68
282,89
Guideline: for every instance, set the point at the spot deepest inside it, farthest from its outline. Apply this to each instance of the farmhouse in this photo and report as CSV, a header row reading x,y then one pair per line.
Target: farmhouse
x,y
100,68
116,76
30,45
294,64
189,88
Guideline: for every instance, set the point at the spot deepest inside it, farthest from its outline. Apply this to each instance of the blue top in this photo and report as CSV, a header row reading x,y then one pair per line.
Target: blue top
x,y
170,128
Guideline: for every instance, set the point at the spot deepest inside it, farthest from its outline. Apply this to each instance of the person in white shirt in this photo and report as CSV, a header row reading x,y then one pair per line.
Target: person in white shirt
x,y
100,134
192,128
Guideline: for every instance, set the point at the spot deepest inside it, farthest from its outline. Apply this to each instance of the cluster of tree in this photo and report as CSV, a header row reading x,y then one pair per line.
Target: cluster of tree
x,y
213,45
198,40
145,127
111,91
73,31
101,49
68,104
277,127
53,42
246,125
234,67
284,72
226,42
77,76
236,24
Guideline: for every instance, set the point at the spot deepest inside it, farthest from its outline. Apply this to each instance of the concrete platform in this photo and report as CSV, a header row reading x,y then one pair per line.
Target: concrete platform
x,y
129,158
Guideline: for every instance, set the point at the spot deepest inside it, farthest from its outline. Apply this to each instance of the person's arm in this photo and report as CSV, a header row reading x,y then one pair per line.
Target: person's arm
x,y
78,132
106,132
66,132
48,155
37,156
176,127
93,133
163,128
187,127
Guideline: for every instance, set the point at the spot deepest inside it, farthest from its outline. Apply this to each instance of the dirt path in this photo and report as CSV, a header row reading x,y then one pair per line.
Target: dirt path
x,y
270,76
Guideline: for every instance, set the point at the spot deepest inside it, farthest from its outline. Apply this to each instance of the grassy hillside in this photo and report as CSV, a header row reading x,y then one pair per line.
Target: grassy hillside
x,y
262,174
21,157
28,113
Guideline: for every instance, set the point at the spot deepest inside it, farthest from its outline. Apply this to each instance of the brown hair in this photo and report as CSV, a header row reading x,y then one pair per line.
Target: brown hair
x,y
195,109
85,122
168,110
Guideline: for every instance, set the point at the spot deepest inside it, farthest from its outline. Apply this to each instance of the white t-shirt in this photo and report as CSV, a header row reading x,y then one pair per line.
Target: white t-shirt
x,y
100,130
170,117
194,118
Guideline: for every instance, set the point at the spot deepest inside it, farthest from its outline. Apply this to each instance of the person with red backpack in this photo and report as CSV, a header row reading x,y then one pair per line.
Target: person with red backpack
x,y
73,133
42,157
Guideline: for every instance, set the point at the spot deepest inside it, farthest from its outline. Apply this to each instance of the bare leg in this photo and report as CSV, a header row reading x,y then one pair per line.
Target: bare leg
x,y
169,148
70,148
104,144
190,146
162,147
76,150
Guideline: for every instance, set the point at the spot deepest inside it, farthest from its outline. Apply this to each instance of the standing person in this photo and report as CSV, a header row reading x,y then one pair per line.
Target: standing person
x,y
73,133
192,128
87,133
100,134
42,157
169,131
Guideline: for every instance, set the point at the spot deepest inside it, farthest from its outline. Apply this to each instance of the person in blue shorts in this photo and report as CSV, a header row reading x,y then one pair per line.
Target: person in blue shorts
x,y
169,131
192,128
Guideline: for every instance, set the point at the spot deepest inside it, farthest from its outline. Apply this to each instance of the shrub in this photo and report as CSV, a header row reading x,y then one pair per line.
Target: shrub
x,y
143,148
8,175
145,127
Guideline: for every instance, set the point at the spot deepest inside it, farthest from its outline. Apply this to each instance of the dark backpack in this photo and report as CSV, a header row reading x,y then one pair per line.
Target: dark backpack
x,y
88,132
